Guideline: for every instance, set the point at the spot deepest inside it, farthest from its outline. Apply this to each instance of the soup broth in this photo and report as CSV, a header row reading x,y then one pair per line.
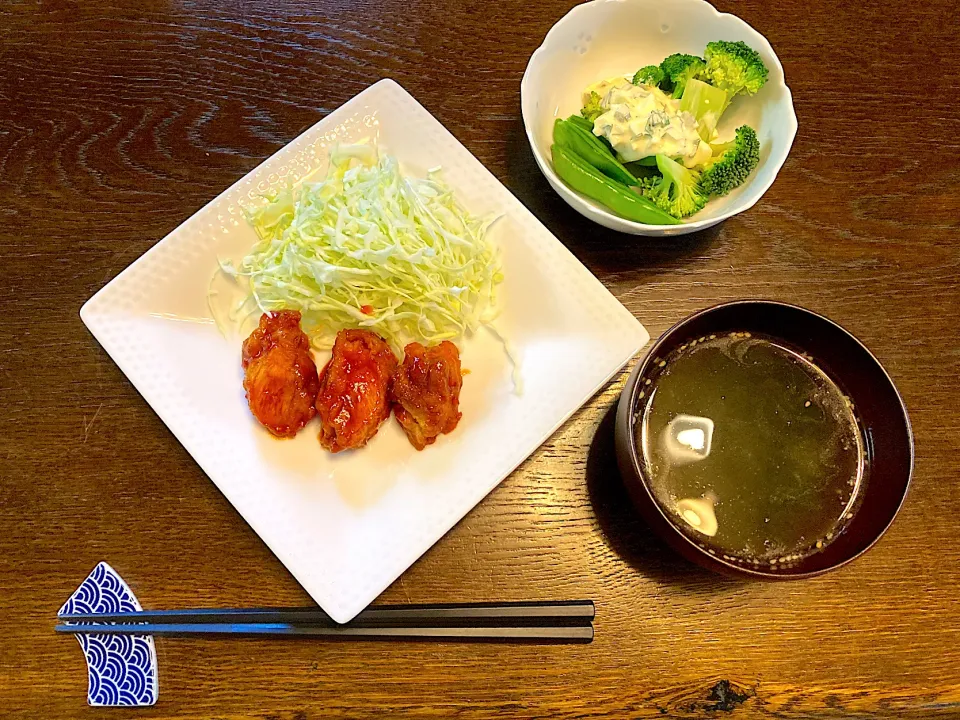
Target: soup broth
x,y
751,448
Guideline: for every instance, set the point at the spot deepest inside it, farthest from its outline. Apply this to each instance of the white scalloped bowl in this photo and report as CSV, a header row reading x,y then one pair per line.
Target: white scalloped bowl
x,y
604,38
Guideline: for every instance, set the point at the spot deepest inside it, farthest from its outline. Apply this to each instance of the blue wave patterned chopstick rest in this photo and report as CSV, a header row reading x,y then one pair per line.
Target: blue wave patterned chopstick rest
x,y
121,669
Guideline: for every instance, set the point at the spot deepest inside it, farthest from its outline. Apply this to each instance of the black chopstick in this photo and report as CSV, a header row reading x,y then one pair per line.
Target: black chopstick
x,y
563,612
555,634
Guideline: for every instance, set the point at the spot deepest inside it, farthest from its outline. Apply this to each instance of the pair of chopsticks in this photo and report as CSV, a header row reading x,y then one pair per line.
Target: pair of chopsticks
x,y
565,621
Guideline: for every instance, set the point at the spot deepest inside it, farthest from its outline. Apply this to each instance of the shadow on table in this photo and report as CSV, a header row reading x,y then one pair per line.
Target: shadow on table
x,y
625,531
600,248
605,250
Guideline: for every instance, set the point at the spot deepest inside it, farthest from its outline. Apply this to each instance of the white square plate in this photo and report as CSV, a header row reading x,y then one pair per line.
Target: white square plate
x,y
348,525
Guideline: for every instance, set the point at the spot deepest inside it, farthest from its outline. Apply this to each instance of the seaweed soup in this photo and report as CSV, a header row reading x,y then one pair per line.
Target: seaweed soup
x,y
751,449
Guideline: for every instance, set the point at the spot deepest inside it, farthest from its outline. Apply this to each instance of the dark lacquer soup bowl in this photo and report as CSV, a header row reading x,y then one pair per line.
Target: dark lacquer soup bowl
x,y
885,433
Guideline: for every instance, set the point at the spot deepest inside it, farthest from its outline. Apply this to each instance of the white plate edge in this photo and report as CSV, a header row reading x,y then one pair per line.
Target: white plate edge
x,y
334,608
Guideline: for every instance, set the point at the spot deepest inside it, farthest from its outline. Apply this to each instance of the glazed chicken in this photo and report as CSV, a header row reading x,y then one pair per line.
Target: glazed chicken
x,y
426,392
354,390
280,376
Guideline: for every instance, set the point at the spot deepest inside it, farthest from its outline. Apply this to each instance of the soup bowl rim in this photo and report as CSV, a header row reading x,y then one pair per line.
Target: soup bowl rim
x,y
630,460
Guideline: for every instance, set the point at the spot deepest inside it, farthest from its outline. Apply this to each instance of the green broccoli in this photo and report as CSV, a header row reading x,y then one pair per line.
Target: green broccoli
x,y
734,67
678,192
592,109
705,102
649,75
647,183
732,162
677,70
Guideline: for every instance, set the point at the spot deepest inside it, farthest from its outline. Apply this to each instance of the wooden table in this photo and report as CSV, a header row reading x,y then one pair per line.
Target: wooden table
x,y
120,118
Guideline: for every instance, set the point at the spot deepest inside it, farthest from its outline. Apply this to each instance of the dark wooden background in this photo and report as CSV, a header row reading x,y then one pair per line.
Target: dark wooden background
x,y
120,118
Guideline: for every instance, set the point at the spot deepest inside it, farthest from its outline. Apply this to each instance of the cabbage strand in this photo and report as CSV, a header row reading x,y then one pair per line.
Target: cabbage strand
x,y
370,248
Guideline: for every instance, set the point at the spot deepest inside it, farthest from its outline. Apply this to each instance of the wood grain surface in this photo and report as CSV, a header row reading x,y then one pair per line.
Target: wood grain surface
x,y
120,118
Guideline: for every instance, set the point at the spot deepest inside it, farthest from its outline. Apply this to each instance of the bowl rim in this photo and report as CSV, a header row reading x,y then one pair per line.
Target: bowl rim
x,y
594,211
629,394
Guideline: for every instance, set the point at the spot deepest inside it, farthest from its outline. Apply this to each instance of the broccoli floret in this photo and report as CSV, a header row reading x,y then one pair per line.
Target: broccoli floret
x,y
677,70
705,102
592,109
734,67
649,75
678,192
732,162
647,183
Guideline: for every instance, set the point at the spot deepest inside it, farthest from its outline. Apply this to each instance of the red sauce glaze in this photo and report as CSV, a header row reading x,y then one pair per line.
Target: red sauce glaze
x,y
354,390
426,392
280,376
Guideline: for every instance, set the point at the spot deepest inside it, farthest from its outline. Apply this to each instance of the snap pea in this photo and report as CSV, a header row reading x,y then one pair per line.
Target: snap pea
x,y
650,161
586,179
582,122
590,148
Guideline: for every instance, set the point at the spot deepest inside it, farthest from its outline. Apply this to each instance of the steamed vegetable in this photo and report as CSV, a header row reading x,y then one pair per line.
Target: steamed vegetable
x,y
592,109
678,69
678,191
706,103
589,147
584,123
658,133
649,75
732,163
584,178
734,67
369,247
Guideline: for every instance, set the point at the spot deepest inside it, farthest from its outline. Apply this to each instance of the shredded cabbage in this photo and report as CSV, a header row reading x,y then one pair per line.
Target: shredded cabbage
x,y
368,247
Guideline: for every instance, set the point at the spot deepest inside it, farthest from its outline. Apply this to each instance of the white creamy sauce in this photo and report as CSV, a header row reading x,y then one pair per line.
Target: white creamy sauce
x,y
641,121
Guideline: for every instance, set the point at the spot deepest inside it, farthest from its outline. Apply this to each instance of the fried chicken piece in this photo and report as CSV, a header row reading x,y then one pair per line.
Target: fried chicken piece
x,y
280,376
426,392
354,390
